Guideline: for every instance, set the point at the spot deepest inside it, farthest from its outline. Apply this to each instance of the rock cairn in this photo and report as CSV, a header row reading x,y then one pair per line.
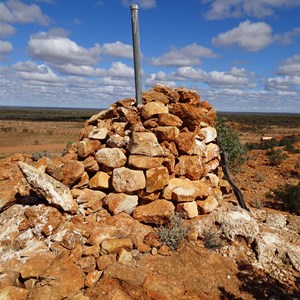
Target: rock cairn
x,y
148,160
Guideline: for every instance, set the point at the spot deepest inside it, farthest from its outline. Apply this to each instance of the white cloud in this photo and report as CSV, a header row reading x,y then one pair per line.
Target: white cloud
x,y
117,49
119,70
188,55
283,83
146,4
30,71
6,30
58,49
15,11
5,47
249,36
290,66
221,9
288,37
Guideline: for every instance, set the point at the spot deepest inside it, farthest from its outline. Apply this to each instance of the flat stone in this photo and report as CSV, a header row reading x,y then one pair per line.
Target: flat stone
x,y
145,143
144,162
87,147
72,171
186,142
121,203
185,190
153,108
36,264
208,205
210,134
98,133
212,152
111,157
125,180
156,179
150,96
192,167
52,190
157,212
169,120
90,164
190,209
100,180
166,133
116,245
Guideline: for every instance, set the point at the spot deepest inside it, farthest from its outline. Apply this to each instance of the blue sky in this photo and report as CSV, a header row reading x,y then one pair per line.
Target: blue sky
x,y
239,55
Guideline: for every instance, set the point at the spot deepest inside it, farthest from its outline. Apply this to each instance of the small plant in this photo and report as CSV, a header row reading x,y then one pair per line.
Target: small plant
x,y
259,177
276,157
288,196
230,141
173,232
258,204
212,240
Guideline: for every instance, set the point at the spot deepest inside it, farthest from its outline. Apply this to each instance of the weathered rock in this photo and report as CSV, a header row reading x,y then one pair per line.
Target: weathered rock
x,y
124,257
87,147
52,190
191,167
144,162
105,260
111,157
90,164
150,96
186,142
145,143
98,133
183,190
63,279
91,198
189,209
116,245
116,141
157,212
210,134
121,203
13,293
72,171
208,205
237,222
166,133
156,179
212,152
87,263
91,278
125,180
153,108
169,120
100,180
159,287
36,264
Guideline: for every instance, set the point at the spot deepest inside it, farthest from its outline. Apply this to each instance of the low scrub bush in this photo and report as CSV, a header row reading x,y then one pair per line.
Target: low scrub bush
x,y
212,240
288,196
173,232
230,141
276,156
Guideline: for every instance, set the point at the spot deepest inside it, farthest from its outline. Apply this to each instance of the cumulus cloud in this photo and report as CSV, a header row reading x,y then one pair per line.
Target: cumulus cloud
x,y
146,4
58,49
117,49
30,71
188,55
290,66
6,30
5,47
283,83
220,9
15,11
288,37
249,36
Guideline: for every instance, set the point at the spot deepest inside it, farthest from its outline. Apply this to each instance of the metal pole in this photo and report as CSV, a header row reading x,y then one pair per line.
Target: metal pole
x,y
136,52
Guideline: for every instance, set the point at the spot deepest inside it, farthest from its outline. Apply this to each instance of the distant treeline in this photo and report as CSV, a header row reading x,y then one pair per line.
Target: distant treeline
x,y
47,114
261,119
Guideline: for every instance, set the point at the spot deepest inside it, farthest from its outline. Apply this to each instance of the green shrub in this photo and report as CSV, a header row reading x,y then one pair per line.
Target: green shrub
x,y
230,141
276,157
287,195
212,240
173,232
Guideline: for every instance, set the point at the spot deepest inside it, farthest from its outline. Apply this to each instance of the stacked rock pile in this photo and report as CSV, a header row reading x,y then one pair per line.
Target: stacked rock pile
x,y
148,160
